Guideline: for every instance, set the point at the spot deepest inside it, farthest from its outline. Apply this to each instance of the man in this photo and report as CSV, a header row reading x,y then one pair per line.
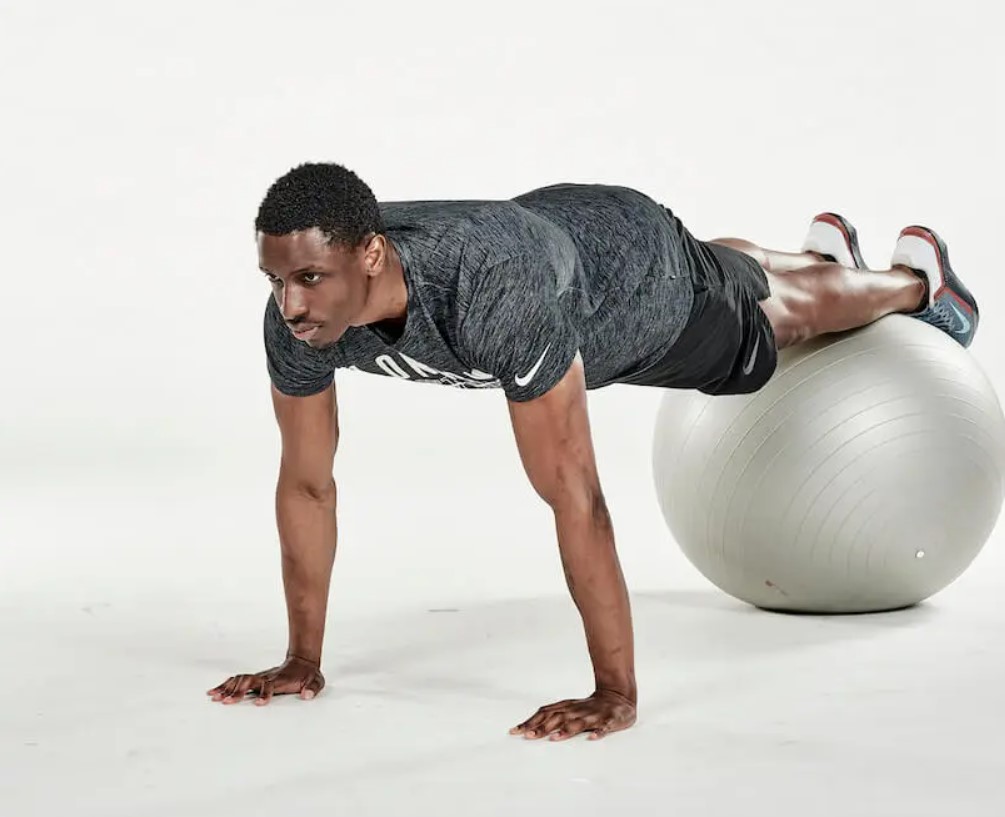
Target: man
x,y
560,290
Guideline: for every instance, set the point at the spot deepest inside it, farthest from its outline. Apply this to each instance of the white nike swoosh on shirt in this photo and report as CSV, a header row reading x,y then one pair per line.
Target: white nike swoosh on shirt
x,y
523,381
753,356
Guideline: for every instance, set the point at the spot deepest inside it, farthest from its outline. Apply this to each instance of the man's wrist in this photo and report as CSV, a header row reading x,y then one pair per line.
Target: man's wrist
x,y
304,657
622,686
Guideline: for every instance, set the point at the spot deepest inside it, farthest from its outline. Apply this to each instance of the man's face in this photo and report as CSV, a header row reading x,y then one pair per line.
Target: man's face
x,y
321,289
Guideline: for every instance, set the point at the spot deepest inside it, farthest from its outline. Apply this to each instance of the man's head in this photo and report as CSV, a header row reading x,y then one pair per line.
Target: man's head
x,y
321,243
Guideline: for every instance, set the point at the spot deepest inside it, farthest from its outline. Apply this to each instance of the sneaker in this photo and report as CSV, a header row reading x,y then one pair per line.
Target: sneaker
x,y
834,239
948,305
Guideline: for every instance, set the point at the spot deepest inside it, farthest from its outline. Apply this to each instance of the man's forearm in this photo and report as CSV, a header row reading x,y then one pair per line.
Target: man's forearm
x,y
307,536
593,573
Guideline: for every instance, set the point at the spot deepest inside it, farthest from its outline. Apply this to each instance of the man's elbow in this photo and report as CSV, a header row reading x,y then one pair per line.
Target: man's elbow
x,y
316,490
578,498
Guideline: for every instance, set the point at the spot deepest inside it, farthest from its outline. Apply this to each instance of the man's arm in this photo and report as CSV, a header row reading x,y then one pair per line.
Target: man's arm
x,y
553,437
306,513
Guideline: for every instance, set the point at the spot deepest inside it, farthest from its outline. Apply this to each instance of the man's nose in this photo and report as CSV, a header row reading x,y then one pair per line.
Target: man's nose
x,y
292,304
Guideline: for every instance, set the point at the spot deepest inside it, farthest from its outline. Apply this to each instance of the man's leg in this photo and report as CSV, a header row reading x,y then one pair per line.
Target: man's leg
x,y
810,297
772,260
831,237
826,297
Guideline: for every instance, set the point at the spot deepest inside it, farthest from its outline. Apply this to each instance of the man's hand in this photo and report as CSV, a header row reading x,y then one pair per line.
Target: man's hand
x,y
599,715
294,675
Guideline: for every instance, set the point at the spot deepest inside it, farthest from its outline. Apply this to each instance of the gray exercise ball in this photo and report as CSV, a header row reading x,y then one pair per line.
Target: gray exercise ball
x,y
865,476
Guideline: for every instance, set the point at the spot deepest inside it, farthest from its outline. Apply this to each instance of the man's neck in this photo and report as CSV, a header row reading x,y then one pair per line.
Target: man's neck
x,y
393,296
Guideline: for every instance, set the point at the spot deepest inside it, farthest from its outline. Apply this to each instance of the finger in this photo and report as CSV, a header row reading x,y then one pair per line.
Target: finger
x,y
578,720
226,688
531,724
570,728
535,720
217,691
246,683
231,686
312,687
601,731
522,727
265,692
547,725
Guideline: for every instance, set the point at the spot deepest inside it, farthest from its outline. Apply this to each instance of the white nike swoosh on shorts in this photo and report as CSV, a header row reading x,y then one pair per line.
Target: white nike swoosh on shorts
x,y
523,381
753,356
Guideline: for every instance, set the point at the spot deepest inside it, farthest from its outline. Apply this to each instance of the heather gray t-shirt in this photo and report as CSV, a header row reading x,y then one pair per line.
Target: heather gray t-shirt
x,y
502,294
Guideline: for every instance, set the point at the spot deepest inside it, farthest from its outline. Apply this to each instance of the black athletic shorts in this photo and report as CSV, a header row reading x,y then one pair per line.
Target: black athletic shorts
x,y
727,345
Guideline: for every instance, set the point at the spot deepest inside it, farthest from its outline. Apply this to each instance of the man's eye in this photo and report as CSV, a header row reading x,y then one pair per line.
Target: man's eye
x,y
312,275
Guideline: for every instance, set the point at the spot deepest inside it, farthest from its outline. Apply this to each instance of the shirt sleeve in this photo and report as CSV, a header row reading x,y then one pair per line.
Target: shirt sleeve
x,y
515,328
294,367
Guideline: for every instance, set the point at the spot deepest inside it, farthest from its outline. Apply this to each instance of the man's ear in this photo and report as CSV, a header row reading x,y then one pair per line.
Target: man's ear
x,y
374,253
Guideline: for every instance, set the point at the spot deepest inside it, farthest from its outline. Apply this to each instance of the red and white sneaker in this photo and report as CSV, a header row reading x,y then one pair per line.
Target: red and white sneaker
x,y
948,304
834,239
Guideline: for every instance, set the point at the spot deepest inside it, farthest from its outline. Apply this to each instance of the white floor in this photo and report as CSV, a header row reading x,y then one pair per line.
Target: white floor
x,y
130,593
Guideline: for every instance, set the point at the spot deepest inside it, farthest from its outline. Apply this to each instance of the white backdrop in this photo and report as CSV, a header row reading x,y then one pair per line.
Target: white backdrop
x,y
139,138
138,451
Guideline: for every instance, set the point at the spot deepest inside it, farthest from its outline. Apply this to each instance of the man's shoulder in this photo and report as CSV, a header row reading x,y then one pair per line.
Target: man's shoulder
x,y
462,238
448,212
462,217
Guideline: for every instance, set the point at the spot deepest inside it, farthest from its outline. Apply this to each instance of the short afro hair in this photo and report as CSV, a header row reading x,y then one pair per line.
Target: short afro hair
x,y
322,195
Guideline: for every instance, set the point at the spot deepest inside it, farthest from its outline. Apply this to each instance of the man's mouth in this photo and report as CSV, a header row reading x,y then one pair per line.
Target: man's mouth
x,y
305,332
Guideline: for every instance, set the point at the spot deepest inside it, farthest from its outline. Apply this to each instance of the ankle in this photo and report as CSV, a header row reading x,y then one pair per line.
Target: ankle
x,y
918,290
